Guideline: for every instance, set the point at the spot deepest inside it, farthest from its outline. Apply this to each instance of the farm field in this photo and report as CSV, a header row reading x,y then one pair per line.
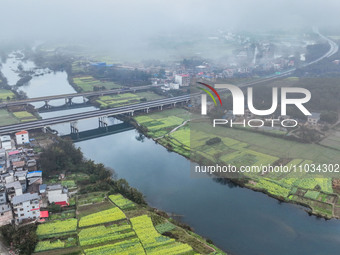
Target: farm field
x,y
240,147
110,215
6,118
90,198
88,83
101,234
333,140
103,228
111,101
5,94
153,242
160,123
57,228
121,201
24,116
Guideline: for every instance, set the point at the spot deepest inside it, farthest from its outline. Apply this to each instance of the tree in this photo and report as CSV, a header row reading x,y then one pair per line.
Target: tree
x,y
329,116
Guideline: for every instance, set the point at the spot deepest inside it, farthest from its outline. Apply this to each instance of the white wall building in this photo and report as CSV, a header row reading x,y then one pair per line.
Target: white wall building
x,y
22,137
182,79
6,142
26,206
57,193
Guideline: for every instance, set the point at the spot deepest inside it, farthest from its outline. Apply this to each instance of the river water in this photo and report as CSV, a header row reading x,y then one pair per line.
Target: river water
x,y
238,220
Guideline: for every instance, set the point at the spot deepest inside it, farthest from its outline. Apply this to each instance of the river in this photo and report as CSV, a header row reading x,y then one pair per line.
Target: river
x,y
238,220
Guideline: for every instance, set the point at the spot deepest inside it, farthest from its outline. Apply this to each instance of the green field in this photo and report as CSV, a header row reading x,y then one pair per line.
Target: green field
x,y
57,228
101,234
126,99
88,83
97,230
7,118
57,244
90,198
153,242
241,147
110,215
24,116
121,201
5,94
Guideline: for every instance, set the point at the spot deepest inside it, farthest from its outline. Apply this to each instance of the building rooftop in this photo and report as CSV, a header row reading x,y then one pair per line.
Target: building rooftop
x,y
315,115
15,185
21,133
34,174
54,187
24,197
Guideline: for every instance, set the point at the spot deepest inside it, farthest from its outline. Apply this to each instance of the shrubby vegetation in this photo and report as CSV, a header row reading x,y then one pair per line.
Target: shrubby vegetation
x,y
63,156
23,239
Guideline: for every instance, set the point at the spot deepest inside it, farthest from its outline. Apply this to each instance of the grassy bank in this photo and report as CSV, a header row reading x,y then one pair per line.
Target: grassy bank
x,y
240,147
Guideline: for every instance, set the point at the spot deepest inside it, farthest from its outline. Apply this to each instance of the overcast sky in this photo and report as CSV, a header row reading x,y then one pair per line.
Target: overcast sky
x,y
128,22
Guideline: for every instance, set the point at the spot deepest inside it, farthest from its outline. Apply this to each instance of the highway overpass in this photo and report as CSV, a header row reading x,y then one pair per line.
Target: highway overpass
x,y
129,109
68,97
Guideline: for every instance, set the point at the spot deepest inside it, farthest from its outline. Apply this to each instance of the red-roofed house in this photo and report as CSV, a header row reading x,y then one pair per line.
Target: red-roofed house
x,y
22,137
43,214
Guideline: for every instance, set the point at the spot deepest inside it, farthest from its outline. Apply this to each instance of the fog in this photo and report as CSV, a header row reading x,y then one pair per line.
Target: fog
x,y
129,25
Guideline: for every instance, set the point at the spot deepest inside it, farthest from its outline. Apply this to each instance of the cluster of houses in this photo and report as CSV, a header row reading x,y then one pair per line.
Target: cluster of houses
x,y
22,192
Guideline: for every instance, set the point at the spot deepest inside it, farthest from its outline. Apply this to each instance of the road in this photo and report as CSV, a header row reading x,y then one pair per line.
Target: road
x,y
72,95
91,114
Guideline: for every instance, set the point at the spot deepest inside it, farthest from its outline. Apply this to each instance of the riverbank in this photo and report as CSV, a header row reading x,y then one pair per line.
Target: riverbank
x,y
93,192
236,146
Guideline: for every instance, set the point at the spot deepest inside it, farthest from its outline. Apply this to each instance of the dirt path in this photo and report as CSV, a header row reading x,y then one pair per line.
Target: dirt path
x,y
183,124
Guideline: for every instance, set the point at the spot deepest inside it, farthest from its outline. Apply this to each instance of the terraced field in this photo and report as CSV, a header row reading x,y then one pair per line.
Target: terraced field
x,y
153,242
121,201
110,215
57,228
96,231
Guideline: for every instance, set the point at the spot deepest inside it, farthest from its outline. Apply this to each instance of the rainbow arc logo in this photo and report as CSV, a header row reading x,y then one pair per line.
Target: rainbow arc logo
x,y
204,96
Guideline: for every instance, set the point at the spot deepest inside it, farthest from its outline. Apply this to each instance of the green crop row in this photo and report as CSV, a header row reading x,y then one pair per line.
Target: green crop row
x,y
152,241
131,246
113,214
121,201
100,234
57,228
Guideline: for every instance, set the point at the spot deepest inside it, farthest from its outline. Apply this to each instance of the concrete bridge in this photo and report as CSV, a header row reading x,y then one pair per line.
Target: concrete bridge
x,y
129,109
68,97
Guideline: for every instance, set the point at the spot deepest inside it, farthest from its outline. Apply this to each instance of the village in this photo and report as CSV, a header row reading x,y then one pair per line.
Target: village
x,y
22,192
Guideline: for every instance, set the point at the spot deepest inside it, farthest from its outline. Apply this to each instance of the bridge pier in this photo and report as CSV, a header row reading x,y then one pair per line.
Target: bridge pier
x,y
132,112
68,101
103,122
74,127
47,106
147,110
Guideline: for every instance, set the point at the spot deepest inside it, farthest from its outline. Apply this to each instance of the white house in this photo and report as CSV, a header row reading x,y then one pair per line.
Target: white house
x,y
182,79
22,137
57,194
6,142
314,119
26,206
